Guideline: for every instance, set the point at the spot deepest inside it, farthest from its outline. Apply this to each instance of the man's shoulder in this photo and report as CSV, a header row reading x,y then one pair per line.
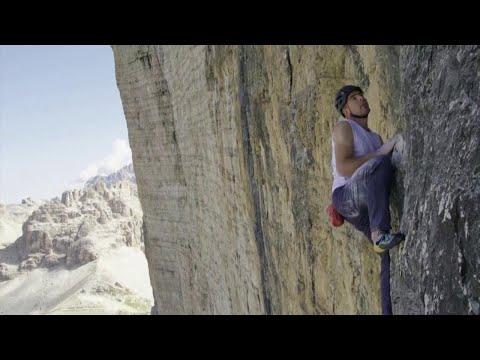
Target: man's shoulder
x,y
341,126
342,132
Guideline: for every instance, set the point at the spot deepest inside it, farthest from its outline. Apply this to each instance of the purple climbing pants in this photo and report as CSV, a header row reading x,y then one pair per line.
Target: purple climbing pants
x,y
364,202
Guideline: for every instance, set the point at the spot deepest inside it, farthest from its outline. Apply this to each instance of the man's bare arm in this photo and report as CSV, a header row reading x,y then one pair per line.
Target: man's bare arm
x,y
346,162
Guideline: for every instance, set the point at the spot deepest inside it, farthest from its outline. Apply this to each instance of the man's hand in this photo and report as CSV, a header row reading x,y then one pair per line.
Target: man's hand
x,y
387,148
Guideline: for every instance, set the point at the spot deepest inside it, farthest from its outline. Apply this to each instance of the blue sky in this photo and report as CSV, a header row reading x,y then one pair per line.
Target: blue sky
x,y
61,119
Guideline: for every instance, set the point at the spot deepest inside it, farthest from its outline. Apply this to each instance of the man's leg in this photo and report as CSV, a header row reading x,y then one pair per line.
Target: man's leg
x,y
379,176
386,301
362,223
354,201
368,189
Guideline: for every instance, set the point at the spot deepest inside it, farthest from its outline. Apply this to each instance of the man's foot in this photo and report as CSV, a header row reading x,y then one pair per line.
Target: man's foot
x,y
386,241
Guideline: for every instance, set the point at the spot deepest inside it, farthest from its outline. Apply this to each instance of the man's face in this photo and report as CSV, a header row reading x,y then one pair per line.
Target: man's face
x,y
357,105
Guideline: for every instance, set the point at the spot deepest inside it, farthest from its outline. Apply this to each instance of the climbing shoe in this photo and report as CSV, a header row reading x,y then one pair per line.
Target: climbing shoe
x,y
386,241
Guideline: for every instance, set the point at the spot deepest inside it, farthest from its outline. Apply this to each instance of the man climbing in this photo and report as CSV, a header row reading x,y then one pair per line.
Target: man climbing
x,y
362,178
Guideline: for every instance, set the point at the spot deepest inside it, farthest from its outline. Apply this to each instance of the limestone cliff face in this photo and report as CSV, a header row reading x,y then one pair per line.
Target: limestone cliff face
x,y
231,149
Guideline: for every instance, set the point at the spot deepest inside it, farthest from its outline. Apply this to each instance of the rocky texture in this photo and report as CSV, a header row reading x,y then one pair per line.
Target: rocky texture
x,y
231,148
438,269
81,254
12,217
115,283
6,272
74,230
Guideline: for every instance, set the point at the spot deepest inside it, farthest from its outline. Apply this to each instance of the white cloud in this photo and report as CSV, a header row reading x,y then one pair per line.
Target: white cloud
x,y
120,156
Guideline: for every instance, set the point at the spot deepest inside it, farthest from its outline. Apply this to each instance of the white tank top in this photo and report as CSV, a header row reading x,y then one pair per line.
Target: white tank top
x,y
364,142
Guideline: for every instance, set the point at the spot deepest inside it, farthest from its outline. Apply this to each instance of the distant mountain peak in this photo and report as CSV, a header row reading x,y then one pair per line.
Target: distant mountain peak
x,y
124,174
